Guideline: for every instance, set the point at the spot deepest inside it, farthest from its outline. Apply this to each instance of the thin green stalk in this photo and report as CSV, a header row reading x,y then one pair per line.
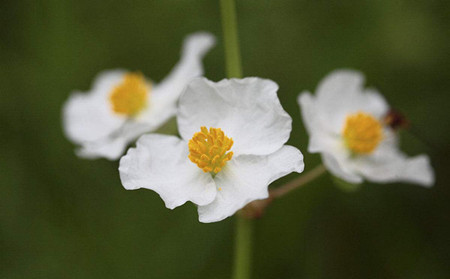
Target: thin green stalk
x,y
299,182
243,248
243,238
230,37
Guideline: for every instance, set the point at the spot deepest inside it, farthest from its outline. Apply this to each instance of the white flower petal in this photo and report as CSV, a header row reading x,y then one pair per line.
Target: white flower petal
x,y
338,167
388,164
320,138
110,148
113,145
340,94
87,118
247,110
246,178
105,81
335,97
160,163
308,110
416,170
372,102
340,84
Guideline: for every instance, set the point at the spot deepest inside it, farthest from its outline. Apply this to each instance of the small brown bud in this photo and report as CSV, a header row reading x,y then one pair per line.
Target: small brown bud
x,y
396,120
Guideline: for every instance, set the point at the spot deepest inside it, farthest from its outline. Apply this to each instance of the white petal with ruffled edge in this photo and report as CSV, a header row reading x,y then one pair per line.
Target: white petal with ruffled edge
x,y
90,121
388,164
415,170
88,117
340,94
160,163
110,149
246,178
105,81
320,138
247,110
337,165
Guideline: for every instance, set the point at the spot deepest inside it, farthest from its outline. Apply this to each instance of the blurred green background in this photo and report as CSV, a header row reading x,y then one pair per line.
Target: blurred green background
x,y
63,217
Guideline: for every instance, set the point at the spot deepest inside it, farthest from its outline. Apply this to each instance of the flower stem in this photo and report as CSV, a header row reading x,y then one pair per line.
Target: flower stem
x,y
242,248
298,182
256,209
243,238
231,41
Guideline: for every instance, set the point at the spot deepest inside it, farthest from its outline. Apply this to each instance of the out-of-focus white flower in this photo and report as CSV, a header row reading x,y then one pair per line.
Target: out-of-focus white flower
x,y
347,125
222,168
123,105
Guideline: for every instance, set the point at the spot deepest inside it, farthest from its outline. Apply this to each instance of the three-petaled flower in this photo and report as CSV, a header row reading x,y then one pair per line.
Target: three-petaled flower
x,y
347,125
123,105
231,148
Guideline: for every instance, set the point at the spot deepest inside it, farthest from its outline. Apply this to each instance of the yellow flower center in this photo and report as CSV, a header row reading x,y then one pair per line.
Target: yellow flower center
x,y
208,149
362,133
130,96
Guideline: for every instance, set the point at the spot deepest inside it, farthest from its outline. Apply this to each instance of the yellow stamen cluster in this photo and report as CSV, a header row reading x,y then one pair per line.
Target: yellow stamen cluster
x,y
130,96
362,133
208,149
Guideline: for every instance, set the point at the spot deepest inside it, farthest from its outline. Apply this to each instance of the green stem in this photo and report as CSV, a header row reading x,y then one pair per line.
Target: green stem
x,y
243,241
299,182
242,248
230,36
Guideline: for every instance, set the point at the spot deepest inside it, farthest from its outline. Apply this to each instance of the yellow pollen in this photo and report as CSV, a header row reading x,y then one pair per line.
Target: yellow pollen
x,y
130,96
208,149
362,133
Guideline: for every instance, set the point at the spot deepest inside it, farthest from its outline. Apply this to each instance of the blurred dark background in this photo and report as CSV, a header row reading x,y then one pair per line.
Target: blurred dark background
x,y
64,217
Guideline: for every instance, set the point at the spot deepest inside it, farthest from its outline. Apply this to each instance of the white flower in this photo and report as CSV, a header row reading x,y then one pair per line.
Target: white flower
x,y
222,168
123,105
347,125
